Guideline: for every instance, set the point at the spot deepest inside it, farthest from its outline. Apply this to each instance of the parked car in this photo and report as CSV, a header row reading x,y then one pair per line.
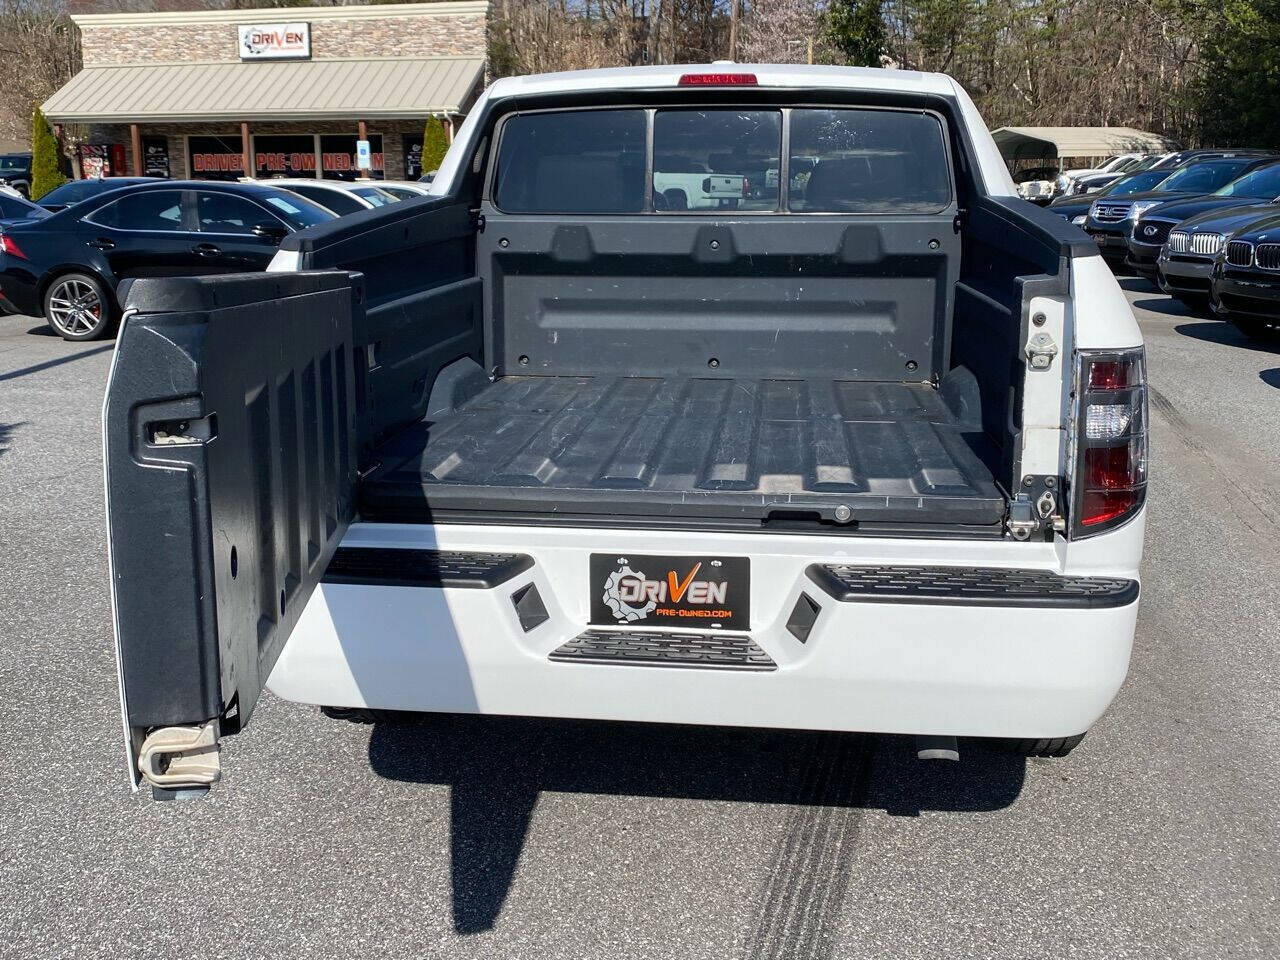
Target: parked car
x,y
1175,244
340,196
1076,208
13,206
1182,158
15,172
602,441
73,191
404,189
66,265
1035,184
1111,221
1072,182
1245,285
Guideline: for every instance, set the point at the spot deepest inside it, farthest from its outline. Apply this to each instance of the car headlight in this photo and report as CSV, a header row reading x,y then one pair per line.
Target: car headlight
x,y
1079,221
1141,207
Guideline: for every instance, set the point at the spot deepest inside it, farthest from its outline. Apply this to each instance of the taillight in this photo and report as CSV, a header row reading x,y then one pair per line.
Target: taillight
x,y
9,246
1110,481
718,80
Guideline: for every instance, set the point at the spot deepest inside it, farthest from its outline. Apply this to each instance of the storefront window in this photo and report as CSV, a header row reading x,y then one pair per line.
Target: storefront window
x,y
338,157
284,156
215,158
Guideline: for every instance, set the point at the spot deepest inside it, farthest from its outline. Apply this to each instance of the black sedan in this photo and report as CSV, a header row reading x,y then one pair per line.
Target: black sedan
x,y
66,266
59,198
16,208
1246,280
1071,208
1111,222
1258,186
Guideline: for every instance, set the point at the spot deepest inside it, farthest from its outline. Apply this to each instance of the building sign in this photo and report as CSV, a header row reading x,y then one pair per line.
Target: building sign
x,y
275,41
338,157
155,157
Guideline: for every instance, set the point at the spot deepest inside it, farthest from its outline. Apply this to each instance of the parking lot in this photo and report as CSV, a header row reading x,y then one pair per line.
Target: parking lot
x,y
491,837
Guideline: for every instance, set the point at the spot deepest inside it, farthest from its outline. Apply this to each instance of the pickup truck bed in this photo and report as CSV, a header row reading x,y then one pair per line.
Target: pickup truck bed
x,y
733,449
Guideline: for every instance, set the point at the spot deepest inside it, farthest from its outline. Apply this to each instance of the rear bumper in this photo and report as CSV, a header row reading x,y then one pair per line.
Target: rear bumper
x,y
19,290
932,667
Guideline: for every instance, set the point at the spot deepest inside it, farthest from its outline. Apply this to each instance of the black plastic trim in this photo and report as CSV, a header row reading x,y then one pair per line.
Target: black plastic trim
x,y
410,567
706,651
970,586
803,616
530,609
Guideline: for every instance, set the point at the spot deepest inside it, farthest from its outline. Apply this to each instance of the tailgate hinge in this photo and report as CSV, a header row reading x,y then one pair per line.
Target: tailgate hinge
x,y
1036,508
181,758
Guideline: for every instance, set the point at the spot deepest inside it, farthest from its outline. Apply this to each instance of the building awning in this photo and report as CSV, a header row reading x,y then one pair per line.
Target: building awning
x,y
1052,143
306,90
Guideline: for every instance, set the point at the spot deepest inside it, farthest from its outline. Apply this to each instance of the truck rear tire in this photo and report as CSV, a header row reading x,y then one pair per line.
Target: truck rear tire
x,y
1055,747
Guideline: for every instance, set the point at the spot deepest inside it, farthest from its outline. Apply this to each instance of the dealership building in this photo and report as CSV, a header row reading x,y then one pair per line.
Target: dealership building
x,y
222,94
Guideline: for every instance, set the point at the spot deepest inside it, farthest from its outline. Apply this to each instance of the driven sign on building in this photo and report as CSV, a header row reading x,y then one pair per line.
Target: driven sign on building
x,y
275,41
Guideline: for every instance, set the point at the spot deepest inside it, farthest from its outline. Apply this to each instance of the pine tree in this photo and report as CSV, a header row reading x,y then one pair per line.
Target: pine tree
x,y
46,172
856,29
434,145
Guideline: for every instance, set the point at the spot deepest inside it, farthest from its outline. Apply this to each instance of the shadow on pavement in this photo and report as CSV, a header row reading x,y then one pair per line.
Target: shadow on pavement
x,y
1135,284
1271,377
6,430
1226,334
59,361
1169,306
497,766
42,330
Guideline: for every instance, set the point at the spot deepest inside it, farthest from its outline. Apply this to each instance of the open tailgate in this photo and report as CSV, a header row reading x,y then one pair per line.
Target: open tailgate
x,y
229,430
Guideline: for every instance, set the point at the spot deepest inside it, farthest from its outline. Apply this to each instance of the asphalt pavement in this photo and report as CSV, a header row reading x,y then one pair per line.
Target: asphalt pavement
x,y
512,838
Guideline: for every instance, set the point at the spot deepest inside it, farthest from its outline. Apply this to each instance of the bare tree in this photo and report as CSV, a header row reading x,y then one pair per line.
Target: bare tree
x,y
39,52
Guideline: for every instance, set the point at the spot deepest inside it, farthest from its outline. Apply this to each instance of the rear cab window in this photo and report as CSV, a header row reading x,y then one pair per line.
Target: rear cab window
x,y
850,160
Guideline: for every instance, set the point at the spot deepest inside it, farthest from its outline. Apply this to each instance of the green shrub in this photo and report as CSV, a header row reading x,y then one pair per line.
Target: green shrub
x,y
434,145
46,166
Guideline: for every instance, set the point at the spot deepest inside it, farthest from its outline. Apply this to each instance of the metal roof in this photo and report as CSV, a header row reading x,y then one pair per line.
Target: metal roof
x,y
293,90
1050,143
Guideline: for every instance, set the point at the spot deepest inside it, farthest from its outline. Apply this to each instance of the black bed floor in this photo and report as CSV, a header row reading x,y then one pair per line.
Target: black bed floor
x,y
689,447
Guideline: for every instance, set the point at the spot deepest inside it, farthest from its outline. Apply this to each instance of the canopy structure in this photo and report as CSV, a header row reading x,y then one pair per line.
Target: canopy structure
x,y
307,90
1056,143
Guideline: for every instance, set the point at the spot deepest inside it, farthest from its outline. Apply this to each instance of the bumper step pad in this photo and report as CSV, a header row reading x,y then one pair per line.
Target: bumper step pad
x,y
708,651
970,586
404,567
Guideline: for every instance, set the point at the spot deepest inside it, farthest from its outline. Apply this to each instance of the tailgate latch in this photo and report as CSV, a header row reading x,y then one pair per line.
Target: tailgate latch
x,y
1037,507
1040,351
181,758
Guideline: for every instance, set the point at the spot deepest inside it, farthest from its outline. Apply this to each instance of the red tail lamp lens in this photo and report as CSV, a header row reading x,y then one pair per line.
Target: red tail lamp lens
x,y
1099,506
1111,440
1114,374
7,245
718,80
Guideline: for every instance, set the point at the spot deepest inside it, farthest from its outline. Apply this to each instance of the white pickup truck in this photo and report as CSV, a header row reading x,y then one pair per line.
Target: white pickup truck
x,y
866,453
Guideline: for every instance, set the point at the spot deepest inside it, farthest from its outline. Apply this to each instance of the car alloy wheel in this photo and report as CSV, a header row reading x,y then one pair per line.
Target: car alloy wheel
x,y
75,308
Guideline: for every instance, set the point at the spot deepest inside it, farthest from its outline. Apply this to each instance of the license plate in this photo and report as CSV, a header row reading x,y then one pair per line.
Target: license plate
x,y
668,591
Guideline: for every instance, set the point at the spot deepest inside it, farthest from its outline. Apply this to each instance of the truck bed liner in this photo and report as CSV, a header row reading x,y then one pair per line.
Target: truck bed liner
x,y
685,447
